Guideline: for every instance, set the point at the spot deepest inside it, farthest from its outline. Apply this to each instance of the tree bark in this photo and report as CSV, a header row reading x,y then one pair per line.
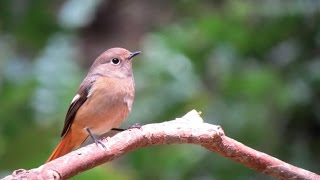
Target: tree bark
x,y
190,129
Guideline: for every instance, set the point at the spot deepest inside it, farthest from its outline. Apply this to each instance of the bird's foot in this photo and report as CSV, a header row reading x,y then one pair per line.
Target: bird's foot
x,y
95,140
118,129
135,126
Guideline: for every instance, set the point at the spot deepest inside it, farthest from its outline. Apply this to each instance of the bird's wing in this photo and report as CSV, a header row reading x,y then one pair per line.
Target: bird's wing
x,y
76,103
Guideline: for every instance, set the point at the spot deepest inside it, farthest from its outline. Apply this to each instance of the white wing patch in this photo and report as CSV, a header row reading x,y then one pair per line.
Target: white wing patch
x,y
90,92
129,101
76,97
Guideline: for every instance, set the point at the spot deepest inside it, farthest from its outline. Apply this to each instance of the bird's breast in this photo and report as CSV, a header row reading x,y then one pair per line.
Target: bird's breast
x,y
108,105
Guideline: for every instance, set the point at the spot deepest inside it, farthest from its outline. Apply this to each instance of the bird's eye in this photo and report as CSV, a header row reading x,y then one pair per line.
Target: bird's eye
x,y
115,61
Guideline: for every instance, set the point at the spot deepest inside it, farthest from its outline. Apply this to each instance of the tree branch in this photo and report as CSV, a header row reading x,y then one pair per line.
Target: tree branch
x,y
189,129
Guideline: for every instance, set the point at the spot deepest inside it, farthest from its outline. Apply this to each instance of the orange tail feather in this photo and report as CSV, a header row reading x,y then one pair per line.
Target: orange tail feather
x,y
67,144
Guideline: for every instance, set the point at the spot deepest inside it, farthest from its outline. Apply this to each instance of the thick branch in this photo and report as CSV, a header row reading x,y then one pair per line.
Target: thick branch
x,y
189,129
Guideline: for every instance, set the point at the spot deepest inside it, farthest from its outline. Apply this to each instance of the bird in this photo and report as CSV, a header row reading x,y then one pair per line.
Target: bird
x,y
103,100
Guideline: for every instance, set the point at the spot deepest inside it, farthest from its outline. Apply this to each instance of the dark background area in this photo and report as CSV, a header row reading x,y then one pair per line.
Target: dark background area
x,y
252,67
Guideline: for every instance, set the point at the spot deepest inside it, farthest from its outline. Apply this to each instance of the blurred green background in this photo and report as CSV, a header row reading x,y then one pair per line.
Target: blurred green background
x,y
252,67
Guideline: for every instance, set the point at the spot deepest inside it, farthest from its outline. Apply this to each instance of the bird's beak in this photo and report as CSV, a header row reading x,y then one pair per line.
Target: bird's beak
x,y
133,54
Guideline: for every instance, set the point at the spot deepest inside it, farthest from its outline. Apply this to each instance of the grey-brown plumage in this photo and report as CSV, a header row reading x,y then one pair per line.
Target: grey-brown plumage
x,y
103,101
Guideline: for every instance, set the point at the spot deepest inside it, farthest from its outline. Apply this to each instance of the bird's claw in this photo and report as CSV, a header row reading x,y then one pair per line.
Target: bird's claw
x,y
135,126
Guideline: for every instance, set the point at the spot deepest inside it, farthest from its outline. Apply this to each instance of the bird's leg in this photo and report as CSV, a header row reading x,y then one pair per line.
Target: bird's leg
x,y
95,140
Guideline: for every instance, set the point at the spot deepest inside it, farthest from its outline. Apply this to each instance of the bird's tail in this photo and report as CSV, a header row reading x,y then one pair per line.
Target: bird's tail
x,y
67,144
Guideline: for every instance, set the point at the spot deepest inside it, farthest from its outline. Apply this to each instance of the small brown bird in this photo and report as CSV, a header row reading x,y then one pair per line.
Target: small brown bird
x,y
103,101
